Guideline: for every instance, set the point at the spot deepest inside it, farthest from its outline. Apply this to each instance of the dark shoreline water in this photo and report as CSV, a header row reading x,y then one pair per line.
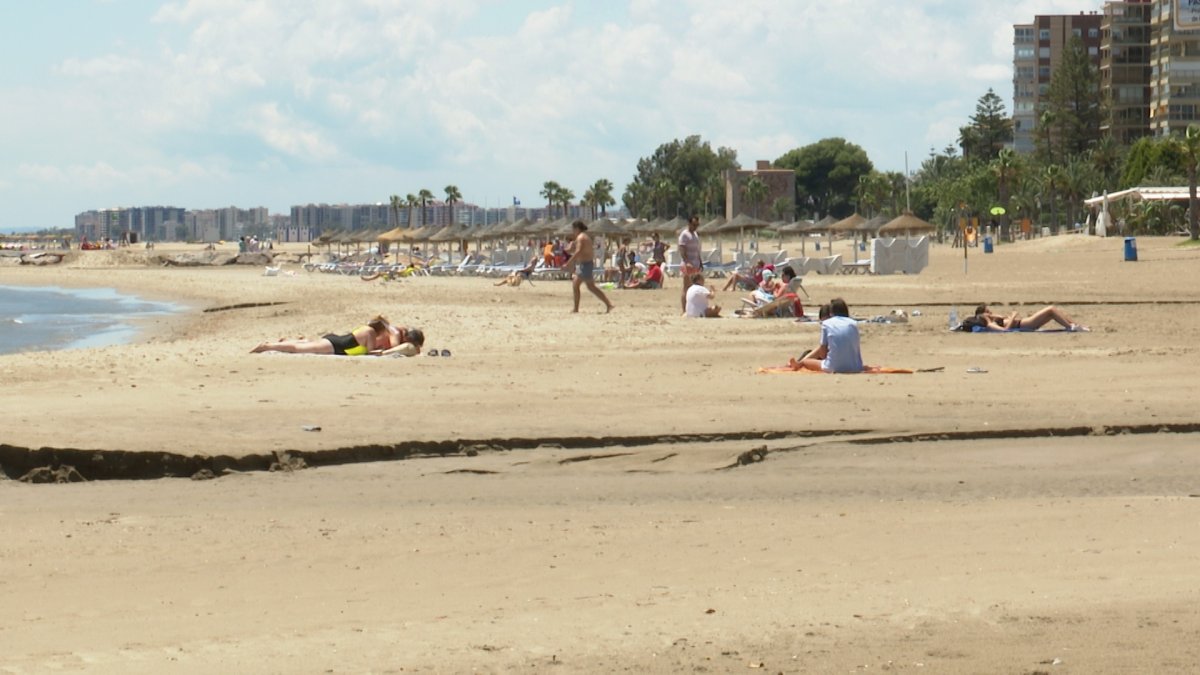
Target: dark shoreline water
x,y
41,318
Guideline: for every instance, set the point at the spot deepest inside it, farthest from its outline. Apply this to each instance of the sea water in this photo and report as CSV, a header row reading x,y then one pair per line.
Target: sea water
x,y
45,318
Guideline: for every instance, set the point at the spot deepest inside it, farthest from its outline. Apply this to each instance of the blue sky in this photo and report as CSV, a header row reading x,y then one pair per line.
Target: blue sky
x,y
210,103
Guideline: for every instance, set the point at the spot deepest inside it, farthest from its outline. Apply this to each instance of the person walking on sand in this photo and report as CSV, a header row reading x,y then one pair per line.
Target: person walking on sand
x,y
583,262
690,263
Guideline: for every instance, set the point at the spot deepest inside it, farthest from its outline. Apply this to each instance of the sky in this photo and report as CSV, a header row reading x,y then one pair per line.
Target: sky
x,y
212,103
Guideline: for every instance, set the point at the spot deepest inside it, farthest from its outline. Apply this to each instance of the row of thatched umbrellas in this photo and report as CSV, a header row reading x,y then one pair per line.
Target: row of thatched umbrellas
x,y
855,224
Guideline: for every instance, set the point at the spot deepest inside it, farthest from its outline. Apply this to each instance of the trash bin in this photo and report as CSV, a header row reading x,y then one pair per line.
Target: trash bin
x,y
1130,249
987,244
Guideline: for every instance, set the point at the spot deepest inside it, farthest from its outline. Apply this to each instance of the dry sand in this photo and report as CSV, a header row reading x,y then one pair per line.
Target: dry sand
x,y
1051,532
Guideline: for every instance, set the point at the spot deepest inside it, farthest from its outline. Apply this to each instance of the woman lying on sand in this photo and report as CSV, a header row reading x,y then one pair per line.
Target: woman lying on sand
x,y
376,338
985,320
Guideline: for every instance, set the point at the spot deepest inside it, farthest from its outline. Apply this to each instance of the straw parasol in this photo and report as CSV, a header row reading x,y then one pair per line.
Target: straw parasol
x,y
742,223
850,223
712,226
607,228
906,223
673,226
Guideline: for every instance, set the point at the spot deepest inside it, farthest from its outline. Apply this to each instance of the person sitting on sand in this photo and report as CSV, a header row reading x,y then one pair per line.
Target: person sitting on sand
x,y
985,320
653,278
839,351
768,288
697,299
515,278
376,337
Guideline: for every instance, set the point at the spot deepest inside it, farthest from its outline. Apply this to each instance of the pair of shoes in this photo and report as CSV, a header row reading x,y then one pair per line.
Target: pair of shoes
x,y
435,352
1076,328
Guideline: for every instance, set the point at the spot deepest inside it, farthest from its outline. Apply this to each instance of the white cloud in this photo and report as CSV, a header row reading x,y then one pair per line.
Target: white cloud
x,y
429,92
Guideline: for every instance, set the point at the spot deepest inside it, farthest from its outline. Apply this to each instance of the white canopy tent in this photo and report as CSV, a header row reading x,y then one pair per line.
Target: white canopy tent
x,y
1137,194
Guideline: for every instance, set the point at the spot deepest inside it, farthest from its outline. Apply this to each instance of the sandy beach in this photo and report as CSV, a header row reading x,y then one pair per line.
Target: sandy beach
x,y
571,499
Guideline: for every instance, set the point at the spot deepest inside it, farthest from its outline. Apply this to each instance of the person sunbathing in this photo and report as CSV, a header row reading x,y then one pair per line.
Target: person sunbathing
x,y
515,278
985,320
749,281
785,302
375,338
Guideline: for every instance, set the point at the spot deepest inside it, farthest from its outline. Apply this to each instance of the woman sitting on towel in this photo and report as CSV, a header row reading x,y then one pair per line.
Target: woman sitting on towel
x,y
377,337
839,350
986,320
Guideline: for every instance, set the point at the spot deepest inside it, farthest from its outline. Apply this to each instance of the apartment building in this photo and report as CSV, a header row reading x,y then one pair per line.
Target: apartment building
x,y
1174,69
1037,49
1125,71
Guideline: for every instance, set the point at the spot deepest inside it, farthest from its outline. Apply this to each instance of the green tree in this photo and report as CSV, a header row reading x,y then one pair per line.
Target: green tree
x,y
565,197
412,201
550,191
1052,184
675,177
453,196
1189,145
754,191
1006,168
1074,103
601,196
397,203
1149,156
425,196
827,174
990,129
1106,157
782,208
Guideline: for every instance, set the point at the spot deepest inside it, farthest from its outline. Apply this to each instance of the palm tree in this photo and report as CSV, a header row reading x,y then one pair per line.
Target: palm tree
x,y
565,197
755,191
453,196
1005,168
425,196
1189,143
602,196
1052,181
1106,159
550,190
714,190
1077,182
412,202
397,203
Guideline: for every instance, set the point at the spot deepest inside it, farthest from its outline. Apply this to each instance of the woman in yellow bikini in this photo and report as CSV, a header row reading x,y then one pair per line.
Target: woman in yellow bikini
x,y
374,338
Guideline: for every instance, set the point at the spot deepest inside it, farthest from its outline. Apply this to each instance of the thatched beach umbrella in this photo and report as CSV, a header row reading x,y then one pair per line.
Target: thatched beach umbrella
x,y
713,226
742,223
906,223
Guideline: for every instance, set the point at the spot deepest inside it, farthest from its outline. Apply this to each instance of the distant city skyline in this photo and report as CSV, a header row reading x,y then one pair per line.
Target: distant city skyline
x,y
204,103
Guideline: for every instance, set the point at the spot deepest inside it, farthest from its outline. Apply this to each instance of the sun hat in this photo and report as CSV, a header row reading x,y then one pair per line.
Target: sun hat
x,y
767,274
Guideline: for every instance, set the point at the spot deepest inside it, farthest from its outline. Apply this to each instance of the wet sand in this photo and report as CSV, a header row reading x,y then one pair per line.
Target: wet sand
x,y
1001,554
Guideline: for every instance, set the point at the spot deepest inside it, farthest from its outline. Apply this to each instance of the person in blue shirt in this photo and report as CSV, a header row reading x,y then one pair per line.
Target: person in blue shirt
x,y
839,350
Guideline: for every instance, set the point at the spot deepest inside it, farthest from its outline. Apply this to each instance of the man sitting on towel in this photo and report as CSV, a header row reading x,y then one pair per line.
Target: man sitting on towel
x,y
839,350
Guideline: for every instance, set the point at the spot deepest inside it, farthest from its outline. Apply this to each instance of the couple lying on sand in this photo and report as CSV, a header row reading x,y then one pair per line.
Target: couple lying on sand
x,y
985,320
377,337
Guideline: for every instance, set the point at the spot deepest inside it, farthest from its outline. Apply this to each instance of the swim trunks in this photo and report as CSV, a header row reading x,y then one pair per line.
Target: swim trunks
x,y
585,270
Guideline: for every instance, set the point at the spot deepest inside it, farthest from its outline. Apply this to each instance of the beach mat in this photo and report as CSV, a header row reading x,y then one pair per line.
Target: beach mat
x,y
867,370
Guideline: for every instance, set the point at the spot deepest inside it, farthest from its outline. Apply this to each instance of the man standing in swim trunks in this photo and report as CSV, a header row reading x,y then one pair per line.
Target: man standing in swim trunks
x,y
689,257
583,261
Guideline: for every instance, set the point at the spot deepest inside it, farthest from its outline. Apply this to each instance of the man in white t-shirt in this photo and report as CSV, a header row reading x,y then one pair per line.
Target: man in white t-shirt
x,y
839,351
696,299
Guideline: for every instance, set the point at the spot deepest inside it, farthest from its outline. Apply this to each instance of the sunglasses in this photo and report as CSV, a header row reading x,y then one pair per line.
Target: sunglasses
x,y
434,352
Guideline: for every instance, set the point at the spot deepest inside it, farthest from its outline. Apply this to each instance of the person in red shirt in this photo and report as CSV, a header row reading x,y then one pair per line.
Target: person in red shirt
x,y
653,279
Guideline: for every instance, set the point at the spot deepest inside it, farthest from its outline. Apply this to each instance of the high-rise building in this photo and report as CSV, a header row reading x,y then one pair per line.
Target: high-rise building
x,y
1125,37
1037,49
1174,72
